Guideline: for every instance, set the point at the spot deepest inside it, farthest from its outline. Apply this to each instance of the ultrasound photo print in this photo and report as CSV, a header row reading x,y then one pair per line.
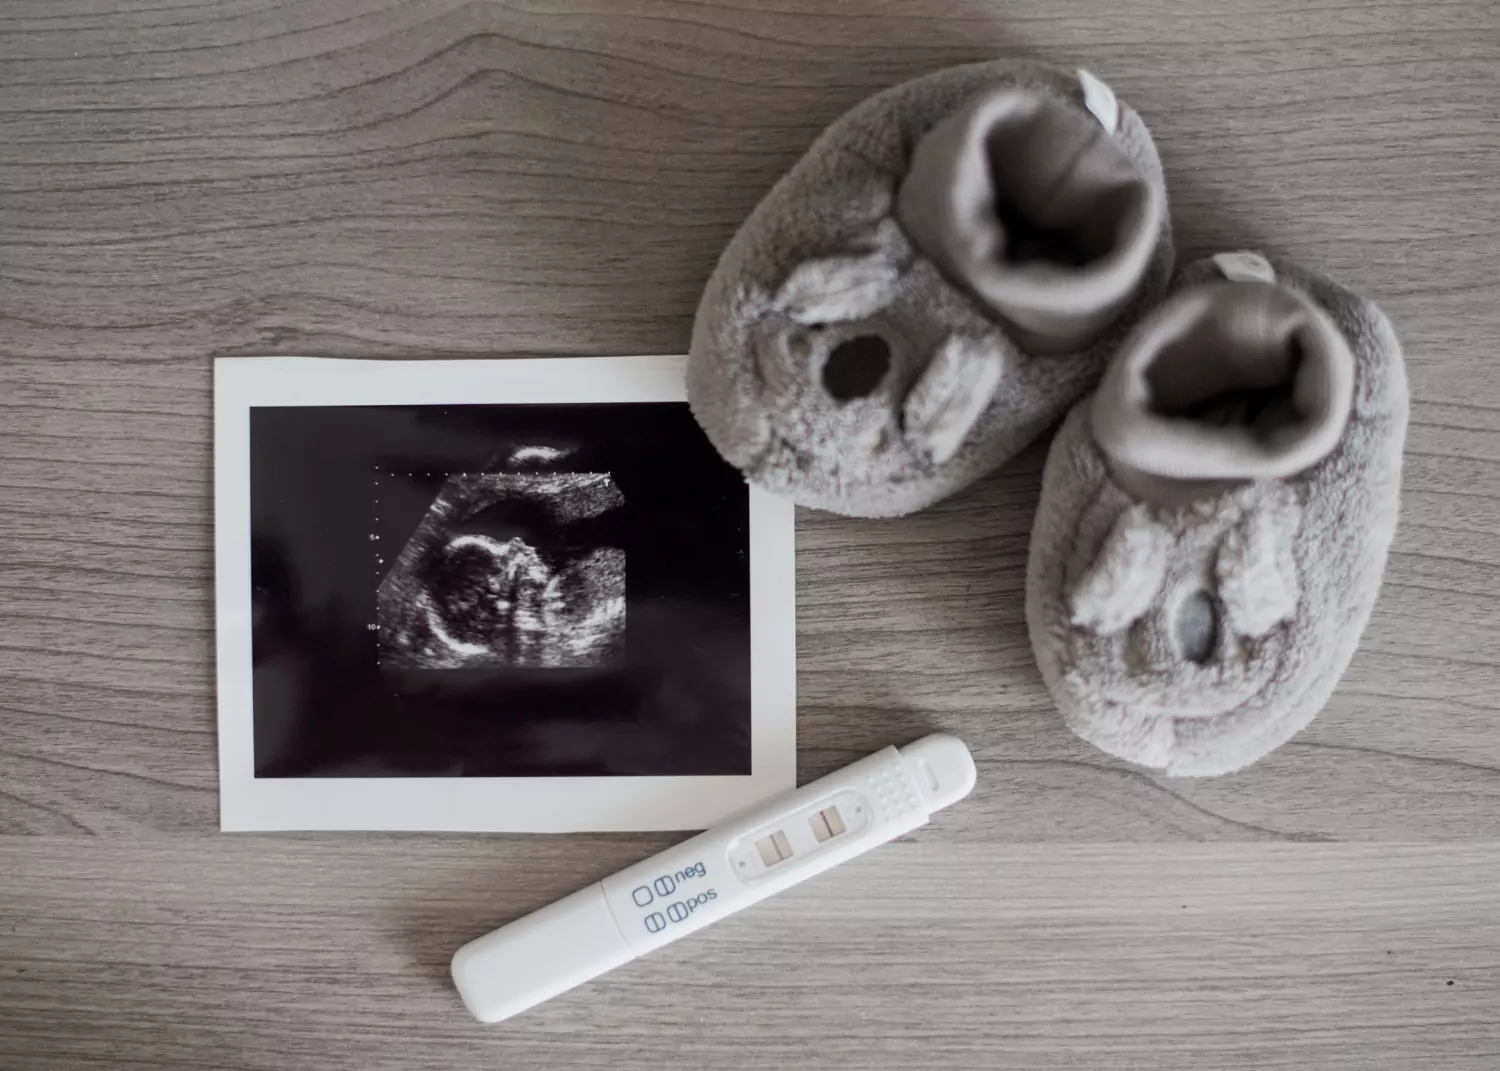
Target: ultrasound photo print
x,y
537,590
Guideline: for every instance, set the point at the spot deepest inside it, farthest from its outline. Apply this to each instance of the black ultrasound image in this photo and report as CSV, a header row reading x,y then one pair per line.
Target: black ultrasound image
x,y
509,569
497,591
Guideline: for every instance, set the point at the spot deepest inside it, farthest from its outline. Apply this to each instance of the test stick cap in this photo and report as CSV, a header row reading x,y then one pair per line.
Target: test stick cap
x,y
535,958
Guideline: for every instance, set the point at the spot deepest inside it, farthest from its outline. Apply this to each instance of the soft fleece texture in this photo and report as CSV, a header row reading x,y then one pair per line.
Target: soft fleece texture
x,y
823,261
1293,565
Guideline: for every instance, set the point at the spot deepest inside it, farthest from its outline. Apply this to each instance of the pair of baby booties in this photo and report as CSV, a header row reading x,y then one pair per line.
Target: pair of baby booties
x,y
960,260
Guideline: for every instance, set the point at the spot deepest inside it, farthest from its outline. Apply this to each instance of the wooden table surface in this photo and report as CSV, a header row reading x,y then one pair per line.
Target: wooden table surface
x,y
182,179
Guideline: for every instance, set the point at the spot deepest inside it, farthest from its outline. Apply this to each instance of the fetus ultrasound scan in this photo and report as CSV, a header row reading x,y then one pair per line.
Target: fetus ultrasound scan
x,y
497,591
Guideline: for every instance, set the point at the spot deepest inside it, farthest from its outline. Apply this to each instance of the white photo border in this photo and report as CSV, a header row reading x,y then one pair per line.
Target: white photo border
x,y
480,804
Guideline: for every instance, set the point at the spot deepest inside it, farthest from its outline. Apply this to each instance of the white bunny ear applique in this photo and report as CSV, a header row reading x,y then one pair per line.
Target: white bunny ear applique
x,y
947,399
847,286
1257,570
1124,580
837,289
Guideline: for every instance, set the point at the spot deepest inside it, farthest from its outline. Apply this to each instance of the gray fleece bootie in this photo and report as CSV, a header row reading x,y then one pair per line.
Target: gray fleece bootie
x,y
948,269
1214,521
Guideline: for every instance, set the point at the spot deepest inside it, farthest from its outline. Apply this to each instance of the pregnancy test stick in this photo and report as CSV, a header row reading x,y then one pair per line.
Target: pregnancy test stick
x,y
681,890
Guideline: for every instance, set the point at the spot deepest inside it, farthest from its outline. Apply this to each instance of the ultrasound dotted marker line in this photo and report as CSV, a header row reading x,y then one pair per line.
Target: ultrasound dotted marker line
x,y
374,538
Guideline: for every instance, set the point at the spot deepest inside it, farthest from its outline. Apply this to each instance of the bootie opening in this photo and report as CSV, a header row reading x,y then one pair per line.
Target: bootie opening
x,y
1033,207
1058,189
1226,382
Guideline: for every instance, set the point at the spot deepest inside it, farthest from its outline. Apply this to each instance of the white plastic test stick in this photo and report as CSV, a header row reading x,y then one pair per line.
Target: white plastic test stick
x,y
760,852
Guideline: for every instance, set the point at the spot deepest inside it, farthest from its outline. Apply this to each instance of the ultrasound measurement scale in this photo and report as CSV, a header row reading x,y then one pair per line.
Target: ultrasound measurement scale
x,y
681,890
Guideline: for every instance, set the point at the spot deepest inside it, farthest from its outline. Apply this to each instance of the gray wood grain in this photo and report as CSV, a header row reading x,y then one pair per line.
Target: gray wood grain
x,y
181,179
317,952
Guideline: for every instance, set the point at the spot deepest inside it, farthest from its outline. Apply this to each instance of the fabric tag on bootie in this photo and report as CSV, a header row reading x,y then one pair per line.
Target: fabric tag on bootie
x,y
1245,267
1101,100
